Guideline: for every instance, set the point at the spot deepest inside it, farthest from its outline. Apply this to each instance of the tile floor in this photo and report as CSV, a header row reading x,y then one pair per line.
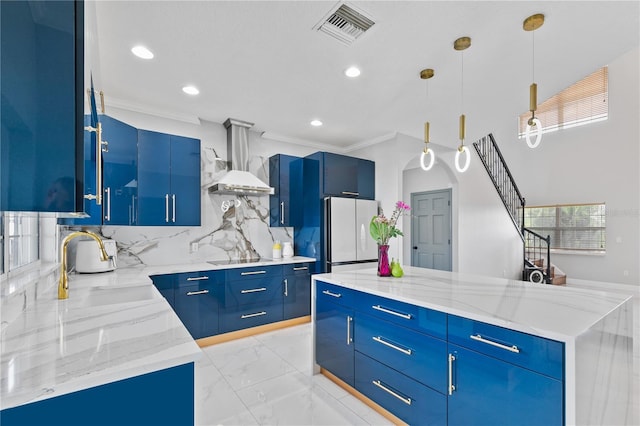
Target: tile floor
x,y
266,379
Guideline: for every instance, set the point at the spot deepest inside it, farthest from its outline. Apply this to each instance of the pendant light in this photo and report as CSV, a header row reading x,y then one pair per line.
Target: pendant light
x,y
532,23
426,74
462,44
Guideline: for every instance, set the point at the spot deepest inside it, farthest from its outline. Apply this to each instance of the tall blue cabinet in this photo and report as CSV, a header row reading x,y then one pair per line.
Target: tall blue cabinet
x,y
41,63
168,179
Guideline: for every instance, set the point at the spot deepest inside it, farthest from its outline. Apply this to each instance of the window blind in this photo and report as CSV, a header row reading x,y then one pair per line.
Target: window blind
x,y
584,102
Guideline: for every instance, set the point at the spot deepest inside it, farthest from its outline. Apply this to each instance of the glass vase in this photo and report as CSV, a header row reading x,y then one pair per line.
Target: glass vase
x,y
384,270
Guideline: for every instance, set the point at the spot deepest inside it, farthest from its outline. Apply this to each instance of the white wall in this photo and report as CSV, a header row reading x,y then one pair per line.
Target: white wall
x,y
593,163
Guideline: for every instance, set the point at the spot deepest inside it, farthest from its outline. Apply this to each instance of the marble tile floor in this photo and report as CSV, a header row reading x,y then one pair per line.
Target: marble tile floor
x,y
266,379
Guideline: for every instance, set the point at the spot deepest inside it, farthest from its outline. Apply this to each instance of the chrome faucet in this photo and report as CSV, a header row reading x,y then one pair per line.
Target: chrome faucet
x,y
63,282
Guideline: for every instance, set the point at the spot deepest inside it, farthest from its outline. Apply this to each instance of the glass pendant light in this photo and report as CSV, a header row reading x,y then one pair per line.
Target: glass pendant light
x,y
426,74
462,44
532,23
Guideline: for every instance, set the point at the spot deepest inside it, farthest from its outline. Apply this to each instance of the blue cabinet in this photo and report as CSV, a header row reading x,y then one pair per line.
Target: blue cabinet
x,y
119,174
285,176
168,179
165,285
334,332
196,296
41,63
297,290
164,397
489,391
343,176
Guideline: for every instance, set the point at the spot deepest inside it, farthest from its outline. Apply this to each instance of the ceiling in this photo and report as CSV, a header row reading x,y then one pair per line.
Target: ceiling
x,y
262,61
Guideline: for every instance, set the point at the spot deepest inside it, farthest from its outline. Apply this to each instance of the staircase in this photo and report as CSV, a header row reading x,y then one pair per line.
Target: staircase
x,y
537,266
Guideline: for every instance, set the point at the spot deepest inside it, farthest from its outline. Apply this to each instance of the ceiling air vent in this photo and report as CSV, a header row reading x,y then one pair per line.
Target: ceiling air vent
x,y
345,24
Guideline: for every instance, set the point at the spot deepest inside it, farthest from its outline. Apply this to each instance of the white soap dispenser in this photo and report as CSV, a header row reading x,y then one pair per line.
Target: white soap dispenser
x,y
277,250
287,249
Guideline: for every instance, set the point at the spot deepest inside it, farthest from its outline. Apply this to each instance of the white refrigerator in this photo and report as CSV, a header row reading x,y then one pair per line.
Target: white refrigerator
x,y
348,244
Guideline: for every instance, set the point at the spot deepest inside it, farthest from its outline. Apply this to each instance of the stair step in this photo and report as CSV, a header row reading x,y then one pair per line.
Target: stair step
x,y
559,280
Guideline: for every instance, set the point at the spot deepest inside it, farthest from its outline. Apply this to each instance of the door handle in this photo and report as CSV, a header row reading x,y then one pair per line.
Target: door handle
x,y
349,339
174,207
286,287
415,247
452,387
282,212
166,208
107,216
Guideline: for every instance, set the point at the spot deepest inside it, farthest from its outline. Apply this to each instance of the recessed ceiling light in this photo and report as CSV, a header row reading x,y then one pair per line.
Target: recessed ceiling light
x,y
142,52
190,90
352,72
316,123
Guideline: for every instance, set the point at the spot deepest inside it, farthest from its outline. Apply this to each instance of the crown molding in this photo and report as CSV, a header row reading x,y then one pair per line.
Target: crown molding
x,y
145,109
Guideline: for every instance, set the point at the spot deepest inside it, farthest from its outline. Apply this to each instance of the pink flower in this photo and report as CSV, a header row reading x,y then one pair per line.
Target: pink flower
x,y
402,206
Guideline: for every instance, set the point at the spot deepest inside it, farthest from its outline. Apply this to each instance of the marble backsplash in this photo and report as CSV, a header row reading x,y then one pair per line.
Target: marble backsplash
x,y
232,227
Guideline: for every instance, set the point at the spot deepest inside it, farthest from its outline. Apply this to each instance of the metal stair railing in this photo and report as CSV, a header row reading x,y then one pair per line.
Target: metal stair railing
x,y
502,179
537,257
536,247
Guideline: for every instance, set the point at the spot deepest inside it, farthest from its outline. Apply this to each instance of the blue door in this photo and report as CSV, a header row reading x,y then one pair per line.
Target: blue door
x,y
334,339
154,181
492,392
185,181
340,175
120,172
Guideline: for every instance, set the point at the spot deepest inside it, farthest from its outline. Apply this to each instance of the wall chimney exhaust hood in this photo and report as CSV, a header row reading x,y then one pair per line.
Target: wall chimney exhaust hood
x,y
238,181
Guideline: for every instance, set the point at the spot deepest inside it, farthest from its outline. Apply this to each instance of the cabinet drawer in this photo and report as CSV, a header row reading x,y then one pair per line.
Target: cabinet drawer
x,y
296,269
197,307
535,353
199,277
415,317
242,317
407,399
417,355
253,272
335,294
249,292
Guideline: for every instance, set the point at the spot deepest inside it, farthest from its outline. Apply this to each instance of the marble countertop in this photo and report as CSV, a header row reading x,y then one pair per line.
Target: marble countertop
x,y
114,325
554,312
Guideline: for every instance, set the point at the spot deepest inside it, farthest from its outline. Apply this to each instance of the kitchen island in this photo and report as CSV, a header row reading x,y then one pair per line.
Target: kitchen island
x,y
114,352
458,348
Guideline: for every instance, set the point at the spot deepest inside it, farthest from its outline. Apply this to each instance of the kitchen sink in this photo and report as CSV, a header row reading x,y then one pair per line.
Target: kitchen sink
x,y
101,296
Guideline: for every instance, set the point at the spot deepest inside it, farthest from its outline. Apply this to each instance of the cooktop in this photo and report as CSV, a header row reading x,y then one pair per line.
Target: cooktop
x,y
236,261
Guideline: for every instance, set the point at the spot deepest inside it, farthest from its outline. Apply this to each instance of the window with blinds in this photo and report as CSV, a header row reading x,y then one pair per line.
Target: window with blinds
x,y
584,102
571,226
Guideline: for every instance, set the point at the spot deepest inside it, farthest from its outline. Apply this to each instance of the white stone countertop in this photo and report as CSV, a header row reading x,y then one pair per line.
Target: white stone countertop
x,y
554,312
114,325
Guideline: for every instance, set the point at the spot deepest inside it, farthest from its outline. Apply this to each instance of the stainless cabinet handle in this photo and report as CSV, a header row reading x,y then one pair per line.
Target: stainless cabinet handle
x,y
351,193
107,215
479,338
195,293
301,268
253,290
197,278
257,314
452,387
389,311
133,209
282,213
328,293
173,197
404,399
102,101
379,339
166,208
349,339
253,273
286,287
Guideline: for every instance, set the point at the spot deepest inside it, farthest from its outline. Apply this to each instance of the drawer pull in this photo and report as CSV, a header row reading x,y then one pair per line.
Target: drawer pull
x,y
253,273
195,293
350,193
253,290
404,399
389,311
257,314
379,339
301,268
328,293
479,338
286,287
451,387
197,278
349,339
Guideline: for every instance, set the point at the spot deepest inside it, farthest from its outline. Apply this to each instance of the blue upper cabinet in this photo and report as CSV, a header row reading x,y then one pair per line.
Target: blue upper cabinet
x,y
41,63
343,176
119,174
285,176
168,179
